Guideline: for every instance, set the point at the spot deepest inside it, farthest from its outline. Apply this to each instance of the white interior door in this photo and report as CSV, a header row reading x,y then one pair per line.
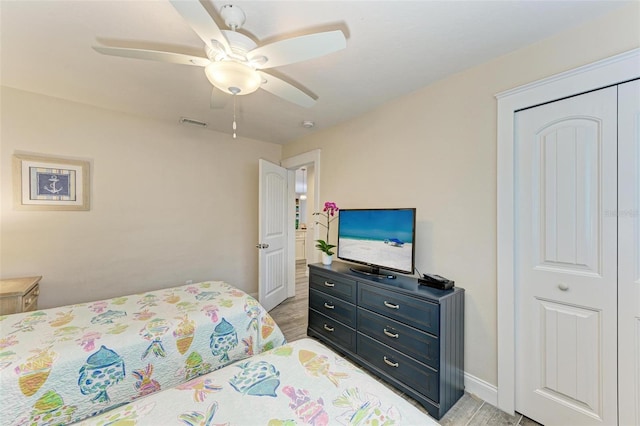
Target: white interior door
x,y
566,261
273,234
629,252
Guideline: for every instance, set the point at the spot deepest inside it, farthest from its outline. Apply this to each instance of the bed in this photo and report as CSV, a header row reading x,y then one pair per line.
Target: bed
x,y
302,382
65,364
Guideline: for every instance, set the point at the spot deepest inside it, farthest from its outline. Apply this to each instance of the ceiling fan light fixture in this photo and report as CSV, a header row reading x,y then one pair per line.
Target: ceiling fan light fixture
x,y
231,74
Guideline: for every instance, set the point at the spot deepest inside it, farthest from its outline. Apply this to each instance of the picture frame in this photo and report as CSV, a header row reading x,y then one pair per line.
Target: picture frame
x,y
50,183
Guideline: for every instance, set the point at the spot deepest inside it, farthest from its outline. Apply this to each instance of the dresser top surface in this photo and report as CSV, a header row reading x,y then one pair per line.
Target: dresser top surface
x,y
17,286
403,283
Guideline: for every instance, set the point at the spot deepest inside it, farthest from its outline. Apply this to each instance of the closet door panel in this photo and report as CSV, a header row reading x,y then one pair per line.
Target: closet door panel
x,y
628,213
566,263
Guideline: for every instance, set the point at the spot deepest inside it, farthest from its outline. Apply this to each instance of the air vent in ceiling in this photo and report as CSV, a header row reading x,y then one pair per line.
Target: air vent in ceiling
x,y
184,120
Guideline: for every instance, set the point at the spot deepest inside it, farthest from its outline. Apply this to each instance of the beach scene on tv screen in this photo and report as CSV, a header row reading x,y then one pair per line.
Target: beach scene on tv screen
x,y
379,237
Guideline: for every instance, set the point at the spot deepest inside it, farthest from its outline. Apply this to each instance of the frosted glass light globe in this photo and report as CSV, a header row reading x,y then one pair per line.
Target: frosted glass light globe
x,y
230,75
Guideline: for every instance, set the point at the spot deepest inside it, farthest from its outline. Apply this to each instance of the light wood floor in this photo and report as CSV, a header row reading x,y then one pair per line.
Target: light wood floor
x,y
292,317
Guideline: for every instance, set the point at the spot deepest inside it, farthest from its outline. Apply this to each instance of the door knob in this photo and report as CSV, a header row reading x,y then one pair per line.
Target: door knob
x,y
262,246
563,286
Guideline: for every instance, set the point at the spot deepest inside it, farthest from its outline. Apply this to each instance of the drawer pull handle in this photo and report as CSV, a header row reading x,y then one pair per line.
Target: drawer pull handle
x,y
394,335
329,329
391,363
328,284
391,305
328,306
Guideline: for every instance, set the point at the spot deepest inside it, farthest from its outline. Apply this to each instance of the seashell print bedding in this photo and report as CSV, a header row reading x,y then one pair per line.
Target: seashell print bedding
x,y
65,364
302,382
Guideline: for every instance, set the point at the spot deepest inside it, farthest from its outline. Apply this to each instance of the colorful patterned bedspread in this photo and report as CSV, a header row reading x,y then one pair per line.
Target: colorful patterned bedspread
x,y
65,364
302,382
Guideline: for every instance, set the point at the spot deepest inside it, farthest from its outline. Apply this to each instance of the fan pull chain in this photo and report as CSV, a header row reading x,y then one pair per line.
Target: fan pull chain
x,y
234,116
234,91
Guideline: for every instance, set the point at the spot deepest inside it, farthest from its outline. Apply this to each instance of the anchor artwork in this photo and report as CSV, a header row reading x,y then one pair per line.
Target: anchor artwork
x,y
50,184
47,183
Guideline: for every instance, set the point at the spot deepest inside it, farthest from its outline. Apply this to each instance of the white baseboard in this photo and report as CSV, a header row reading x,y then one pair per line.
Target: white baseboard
x,y
483,390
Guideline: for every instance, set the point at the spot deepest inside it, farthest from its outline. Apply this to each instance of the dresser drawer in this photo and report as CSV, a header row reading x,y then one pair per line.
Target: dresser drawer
x,y
334,285
30,300
333,330
415,312
408,340
19,295
333,307
402,368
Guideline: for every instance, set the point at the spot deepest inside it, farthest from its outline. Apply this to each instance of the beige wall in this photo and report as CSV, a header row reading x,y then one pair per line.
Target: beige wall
x,y
170,203
435,150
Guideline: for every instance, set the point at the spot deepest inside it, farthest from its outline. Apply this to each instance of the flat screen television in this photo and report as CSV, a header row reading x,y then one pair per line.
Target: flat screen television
x,y
378,238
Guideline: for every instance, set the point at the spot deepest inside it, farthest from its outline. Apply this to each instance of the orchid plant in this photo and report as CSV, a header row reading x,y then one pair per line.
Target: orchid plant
x,y
329,211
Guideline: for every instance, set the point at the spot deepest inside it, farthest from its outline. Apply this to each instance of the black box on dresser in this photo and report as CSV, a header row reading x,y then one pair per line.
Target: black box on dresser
x,y
409,335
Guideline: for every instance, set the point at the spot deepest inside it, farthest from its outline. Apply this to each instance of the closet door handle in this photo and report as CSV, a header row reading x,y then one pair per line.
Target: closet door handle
x,y
394,335
328,284
328,306
391,363
391,305
329,329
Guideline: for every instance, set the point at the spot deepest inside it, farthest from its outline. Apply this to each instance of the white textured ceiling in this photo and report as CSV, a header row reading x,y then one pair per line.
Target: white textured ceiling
x,y
393,48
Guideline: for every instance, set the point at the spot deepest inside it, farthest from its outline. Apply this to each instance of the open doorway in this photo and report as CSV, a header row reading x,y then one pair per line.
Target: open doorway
x,y
310,162
302,214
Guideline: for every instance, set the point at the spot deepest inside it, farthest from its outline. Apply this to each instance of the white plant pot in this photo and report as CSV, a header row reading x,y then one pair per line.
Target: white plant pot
x,y
327,259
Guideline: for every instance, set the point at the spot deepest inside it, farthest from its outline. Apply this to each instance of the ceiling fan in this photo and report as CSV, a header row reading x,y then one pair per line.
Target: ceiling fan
x,y
234,63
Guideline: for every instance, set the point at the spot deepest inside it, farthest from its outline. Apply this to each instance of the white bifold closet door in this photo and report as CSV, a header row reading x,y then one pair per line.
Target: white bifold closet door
x,y
628,214
566,260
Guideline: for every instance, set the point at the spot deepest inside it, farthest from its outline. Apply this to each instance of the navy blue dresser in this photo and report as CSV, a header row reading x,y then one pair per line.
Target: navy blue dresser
x,y
409,335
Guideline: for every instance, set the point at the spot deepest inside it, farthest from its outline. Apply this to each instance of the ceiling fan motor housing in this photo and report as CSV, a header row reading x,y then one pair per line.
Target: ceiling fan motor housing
x,y
233,16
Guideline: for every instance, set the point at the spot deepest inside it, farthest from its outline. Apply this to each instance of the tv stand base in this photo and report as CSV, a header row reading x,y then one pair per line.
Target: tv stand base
x,y
373,273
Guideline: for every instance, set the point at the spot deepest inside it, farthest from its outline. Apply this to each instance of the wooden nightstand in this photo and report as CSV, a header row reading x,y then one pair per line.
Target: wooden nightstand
x,y
19,295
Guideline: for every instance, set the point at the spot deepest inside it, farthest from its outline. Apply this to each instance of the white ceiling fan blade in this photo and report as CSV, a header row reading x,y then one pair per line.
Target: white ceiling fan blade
x,y
285,90
201,22
219,98
154,55
298,49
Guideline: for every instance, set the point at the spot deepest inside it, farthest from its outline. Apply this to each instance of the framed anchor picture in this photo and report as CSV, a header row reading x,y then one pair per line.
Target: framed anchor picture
x,y
50,183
